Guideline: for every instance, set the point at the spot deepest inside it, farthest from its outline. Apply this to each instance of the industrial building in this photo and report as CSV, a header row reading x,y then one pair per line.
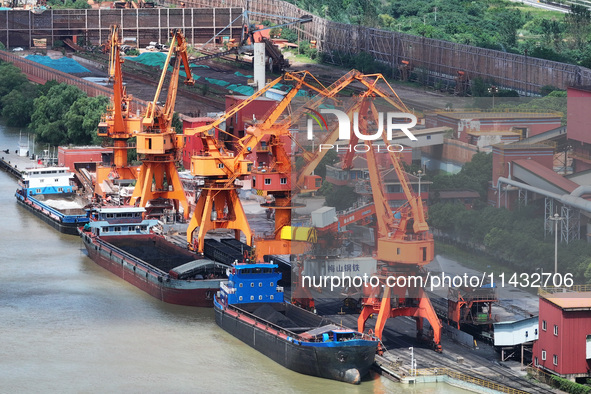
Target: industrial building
x,y
564,344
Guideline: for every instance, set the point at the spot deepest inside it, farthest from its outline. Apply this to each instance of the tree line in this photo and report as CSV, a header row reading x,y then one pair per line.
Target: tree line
x,y
494,24
515,238
58,113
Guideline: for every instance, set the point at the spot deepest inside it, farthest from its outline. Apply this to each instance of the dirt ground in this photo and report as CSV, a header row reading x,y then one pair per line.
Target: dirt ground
x,y
414,98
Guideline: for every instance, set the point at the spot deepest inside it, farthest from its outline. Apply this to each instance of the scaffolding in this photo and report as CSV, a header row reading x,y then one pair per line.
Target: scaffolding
x,y
138,26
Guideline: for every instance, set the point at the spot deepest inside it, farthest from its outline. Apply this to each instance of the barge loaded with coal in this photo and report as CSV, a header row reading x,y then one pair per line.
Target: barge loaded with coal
x,y
250,306
121,241
49,194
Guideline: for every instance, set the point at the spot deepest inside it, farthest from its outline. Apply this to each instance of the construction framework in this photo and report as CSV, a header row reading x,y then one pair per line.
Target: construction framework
x,y
139,26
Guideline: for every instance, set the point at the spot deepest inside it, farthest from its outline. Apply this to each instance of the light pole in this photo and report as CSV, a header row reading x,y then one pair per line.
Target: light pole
x,y
420,175
556,218
493,90
412,360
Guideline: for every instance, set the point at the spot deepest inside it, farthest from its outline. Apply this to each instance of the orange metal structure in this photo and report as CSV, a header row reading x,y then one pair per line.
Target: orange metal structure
x,y
276,179
119,123
404,245
471,305
218,205
158,145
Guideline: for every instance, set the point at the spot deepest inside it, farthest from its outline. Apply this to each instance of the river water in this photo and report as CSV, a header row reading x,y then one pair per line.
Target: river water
x,y
68,325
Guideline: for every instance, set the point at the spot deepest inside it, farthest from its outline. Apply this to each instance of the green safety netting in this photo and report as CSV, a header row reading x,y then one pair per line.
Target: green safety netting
x,y
239,74
217,81
242,89
156,59
63,64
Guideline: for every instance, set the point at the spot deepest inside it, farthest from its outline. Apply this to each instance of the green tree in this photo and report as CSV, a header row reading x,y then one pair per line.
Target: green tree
x,y
329,158
11,78
47,120
578,25
17,106
341,197
177,123
82,118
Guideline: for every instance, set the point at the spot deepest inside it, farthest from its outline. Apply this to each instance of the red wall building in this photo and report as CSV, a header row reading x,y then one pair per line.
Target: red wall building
x,y
505,154
564,332
85,156
257,109
578,127
193,143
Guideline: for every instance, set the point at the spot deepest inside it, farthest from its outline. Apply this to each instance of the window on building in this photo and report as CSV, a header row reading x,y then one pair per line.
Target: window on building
x,y
555,330
537,363
267,181
555,359
544,325
543,355
283,181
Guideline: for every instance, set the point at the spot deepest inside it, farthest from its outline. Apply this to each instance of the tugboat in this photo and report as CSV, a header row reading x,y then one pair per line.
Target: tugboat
x,y
48,193
250,306
121,241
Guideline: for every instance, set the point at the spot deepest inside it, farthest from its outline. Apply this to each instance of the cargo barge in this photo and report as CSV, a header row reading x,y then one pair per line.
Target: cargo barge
x,y
119,240
48,193
250,306
231,250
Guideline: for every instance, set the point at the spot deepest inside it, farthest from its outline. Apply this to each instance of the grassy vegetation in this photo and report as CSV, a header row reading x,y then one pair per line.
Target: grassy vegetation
x,y
472,260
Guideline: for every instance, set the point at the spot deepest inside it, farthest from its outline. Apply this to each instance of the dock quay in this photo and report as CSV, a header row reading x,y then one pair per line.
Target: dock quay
x,y
473,368
13,164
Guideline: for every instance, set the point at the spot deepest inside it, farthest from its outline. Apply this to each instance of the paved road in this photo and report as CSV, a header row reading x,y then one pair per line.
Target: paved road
x,y
537,4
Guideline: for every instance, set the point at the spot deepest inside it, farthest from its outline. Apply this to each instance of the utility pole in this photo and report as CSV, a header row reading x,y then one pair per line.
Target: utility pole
x,y
556,218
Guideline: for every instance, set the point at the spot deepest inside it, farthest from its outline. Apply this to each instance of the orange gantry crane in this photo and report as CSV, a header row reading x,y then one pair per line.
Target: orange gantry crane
x,y
218,205
277,179
158,145
269,179
404,246
119,123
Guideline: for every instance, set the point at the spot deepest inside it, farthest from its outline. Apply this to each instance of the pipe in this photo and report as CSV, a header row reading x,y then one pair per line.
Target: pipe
x,y
579,191
566,199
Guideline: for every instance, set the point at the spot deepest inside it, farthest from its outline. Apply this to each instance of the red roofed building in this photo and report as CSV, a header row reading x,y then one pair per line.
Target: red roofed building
x,y
564,344
470,124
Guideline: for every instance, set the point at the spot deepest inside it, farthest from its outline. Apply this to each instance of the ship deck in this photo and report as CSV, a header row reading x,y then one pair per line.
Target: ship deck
x,y
286,316
153,249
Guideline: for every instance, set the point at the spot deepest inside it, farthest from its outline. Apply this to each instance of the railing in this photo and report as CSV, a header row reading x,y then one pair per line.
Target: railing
x,y
465,378
564,289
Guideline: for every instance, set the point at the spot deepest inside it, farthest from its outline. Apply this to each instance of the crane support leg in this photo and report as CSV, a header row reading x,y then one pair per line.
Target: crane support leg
x,y
423,310
384,313
144,183
217,208
158,173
